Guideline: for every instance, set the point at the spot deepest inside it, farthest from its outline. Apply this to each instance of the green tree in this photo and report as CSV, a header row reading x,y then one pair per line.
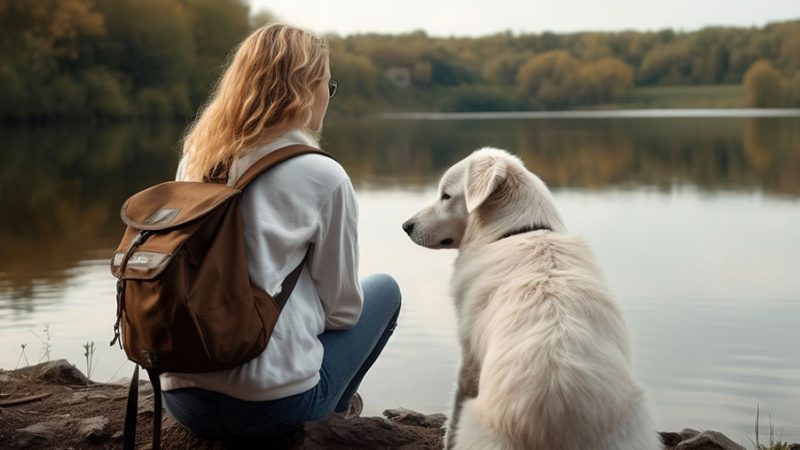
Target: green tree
x,y
150,45
667,64
447,69
422,73
502,69
358,75
549,79
790,91
44,50
148,40
59,28
762,84
789,57
607,80
593,46
216,27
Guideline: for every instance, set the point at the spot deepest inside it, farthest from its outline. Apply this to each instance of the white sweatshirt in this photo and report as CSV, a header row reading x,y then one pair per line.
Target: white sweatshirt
x,y
307,200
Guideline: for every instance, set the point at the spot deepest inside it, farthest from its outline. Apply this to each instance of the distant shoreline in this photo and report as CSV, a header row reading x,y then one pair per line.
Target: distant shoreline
x,y
569,114
599,114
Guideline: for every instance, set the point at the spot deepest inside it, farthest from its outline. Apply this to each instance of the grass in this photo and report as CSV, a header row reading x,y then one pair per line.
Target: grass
x,y
711,96
470,98
47,348
21,355
773,443
88,348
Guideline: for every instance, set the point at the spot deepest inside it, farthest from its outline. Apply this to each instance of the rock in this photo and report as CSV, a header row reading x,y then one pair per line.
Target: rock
x,y
144,386
39,434
59,372
409,417
96,429
146,404
689,433
671,439
168,422
709,440
358,433
77,397
98,397
794,447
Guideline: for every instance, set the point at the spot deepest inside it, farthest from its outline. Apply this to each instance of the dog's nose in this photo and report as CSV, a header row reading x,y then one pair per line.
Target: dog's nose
x,y
408,227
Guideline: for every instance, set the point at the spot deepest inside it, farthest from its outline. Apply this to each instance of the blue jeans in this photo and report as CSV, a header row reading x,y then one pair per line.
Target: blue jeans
x,y
348,354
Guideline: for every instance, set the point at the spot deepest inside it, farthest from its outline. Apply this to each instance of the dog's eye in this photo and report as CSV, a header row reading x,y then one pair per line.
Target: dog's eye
x,y
445,197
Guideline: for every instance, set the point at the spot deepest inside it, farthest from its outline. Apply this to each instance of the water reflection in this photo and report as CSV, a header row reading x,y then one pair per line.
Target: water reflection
x,y
760,154
60,192
61,187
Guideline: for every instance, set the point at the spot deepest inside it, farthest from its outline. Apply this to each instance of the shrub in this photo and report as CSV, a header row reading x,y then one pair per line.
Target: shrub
x,y
762,84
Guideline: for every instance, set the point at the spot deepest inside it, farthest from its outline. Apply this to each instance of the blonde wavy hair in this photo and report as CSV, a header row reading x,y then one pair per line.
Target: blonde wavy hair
x,y
267,89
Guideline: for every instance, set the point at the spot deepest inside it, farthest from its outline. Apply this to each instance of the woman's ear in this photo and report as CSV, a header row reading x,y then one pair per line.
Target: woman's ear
x,y
484,175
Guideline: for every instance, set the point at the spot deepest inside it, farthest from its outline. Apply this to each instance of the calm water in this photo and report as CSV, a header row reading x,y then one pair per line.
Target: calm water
x,y
695,220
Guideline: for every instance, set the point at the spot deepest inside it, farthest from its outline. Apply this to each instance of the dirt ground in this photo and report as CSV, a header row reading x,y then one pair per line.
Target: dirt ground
x,y
53,405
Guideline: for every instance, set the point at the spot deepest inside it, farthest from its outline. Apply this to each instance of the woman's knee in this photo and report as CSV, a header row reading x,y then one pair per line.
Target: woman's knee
x,y
384,288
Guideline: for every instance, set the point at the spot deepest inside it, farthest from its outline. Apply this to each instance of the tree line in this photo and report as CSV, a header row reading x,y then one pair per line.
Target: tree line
x,y
159,58
113,58
548,70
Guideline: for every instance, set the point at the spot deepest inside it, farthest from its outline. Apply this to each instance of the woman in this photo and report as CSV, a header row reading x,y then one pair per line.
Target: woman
x,y
275,93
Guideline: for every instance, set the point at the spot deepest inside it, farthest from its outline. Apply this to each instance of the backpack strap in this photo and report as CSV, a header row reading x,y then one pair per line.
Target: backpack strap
x,y
155,381
137,241
275,158
132,411
289,282
271,160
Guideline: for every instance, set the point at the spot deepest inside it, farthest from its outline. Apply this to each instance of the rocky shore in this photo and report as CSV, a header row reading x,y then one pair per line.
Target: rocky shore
x,y
53,405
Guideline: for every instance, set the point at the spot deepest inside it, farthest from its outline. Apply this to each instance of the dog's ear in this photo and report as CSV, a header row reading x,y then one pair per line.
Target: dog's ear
x,y
483,177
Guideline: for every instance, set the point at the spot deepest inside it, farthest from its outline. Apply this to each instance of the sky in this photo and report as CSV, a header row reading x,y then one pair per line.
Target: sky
x,y
479,18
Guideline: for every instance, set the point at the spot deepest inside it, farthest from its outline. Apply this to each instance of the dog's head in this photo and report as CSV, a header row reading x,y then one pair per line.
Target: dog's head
x,y
481,198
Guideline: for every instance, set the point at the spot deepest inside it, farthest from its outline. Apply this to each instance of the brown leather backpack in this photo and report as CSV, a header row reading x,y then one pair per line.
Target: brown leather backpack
x,y
184,298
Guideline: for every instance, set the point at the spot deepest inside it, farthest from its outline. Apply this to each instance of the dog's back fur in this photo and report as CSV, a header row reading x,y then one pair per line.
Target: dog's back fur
x,y
553,350
546,358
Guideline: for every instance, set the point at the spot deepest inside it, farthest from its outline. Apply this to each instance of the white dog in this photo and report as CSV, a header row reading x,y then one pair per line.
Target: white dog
x,y
545,351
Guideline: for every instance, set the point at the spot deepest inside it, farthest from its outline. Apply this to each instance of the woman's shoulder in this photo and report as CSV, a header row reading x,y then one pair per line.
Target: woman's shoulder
x,y
322,169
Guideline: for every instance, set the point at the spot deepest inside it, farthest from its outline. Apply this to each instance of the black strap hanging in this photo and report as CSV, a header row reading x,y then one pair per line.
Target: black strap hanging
x,y
129,432
132,411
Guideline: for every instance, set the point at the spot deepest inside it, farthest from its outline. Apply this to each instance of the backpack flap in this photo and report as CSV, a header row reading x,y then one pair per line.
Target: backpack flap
x,y
170,212
173,203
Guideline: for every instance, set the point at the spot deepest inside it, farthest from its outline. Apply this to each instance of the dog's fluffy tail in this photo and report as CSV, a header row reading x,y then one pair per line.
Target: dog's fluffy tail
x,y
472,433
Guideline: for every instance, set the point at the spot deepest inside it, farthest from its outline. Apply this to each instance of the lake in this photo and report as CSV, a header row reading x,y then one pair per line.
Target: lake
x,y
694,218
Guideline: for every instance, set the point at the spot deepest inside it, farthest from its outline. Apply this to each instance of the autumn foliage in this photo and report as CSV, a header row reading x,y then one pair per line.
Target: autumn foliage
x,y
122,59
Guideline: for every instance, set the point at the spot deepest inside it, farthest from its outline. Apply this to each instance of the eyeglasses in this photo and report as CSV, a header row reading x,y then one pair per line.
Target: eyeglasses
x,y
333,86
